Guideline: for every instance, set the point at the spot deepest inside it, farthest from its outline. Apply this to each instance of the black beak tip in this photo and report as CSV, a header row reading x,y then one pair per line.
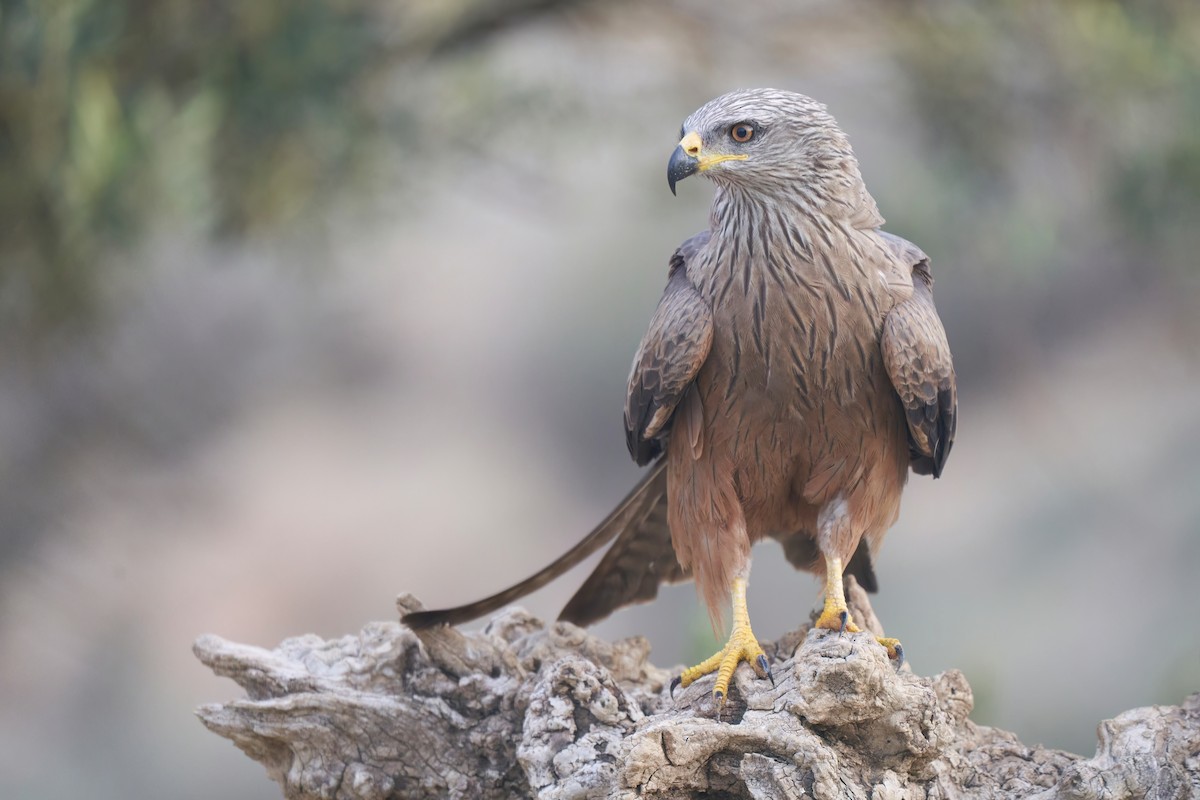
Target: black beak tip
x,y
680,166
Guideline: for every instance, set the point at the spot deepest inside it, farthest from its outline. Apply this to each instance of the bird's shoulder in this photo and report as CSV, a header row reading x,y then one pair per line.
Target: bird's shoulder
x,y
904,251
904,268
686,253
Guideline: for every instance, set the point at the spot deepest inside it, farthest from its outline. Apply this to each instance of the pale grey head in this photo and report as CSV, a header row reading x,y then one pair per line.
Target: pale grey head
x,y
765,142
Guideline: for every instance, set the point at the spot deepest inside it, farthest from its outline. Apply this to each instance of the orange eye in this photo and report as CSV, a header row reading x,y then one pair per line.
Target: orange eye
x,y
742,132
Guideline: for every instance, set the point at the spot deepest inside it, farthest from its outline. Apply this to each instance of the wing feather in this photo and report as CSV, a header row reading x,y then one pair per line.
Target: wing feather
x,y
917,356
671,353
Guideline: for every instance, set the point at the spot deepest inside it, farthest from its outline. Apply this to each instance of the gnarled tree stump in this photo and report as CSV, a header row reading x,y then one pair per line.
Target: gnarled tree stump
x,y
525,710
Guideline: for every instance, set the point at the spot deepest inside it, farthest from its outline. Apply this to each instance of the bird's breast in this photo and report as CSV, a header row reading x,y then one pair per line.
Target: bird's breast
x,y
795,376
791,340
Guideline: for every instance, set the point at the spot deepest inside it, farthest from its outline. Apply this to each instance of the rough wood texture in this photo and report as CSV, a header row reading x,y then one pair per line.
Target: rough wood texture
x,y
522,710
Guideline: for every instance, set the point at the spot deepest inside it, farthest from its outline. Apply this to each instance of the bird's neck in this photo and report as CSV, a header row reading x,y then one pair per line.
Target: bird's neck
x,y
744,224
841,202
792,239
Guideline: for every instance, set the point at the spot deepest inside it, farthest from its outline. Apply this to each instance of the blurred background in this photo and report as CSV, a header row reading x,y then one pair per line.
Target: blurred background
x,y
307,303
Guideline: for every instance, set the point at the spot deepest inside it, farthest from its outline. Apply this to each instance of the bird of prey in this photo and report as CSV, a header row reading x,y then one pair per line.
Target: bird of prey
x,y
794,372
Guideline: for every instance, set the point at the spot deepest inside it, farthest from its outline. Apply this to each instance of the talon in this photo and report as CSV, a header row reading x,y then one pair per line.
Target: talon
x,y
742,646
844,616
764,669
674,682
895,650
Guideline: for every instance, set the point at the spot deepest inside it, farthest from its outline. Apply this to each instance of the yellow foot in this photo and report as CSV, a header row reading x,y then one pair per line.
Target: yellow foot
x,y
836,617
895,650
742,646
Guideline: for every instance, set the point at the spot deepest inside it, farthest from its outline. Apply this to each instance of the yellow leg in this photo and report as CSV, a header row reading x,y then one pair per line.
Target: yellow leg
x,y
742,646
835,616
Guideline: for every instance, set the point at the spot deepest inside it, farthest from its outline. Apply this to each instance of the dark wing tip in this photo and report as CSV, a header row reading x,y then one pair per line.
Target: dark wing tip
x,y
947,425
643,451
920,464
937,421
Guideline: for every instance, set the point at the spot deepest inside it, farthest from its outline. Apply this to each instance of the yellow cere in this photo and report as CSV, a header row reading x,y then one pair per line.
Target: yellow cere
x,y
691,145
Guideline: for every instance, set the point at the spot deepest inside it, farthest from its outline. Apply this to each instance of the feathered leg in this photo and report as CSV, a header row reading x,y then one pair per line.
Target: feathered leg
x,y
836,535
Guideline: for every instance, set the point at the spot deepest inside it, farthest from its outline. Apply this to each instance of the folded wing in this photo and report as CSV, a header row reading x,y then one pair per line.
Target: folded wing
x,y
917,357
672,352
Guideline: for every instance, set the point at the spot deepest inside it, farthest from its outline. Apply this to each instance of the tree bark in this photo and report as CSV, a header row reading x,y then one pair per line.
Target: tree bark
x,y
524,710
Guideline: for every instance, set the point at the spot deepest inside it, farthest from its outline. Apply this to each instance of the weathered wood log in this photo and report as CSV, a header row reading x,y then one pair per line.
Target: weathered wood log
x,y
525,710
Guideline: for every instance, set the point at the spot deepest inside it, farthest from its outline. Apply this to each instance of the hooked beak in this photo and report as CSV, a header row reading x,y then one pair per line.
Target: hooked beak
x,y
684,161
689,158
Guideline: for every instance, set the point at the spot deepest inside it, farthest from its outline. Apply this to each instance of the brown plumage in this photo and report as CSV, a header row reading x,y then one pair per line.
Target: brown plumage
x,y
794,371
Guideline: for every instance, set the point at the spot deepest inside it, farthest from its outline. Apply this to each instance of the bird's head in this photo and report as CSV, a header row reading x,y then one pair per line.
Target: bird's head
x,y
762,140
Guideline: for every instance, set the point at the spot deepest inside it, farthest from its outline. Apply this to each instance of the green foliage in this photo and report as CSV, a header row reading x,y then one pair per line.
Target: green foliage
x,y
220,116
229,118
1107,93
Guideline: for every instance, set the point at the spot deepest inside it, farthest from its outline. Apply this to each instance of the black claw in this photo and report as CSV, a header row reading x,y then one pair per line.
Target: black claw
x,y
845,618
719,696
899,648
764,668
674,682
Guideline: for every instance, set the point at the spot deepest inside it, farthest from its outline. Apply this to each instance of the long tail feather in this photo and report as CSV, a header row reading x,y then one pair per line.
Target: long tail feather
x,y
628,512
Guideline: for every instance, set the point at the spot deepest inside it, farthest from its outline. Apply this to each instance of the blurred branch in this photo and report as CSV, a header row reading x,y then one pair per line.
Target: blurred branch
x,y
219,117
1105,93
520,710
465,23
